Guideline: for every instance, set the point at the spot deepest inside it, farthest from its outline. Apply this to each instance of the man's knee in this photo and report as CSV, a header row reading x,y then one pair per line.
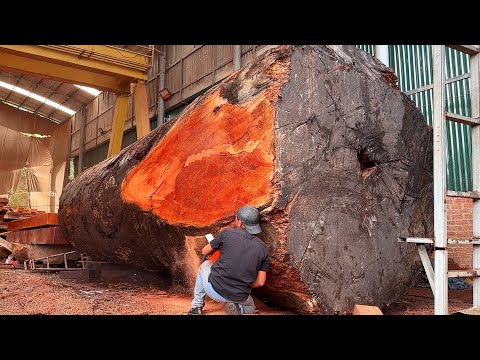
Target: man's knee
x,y
206,264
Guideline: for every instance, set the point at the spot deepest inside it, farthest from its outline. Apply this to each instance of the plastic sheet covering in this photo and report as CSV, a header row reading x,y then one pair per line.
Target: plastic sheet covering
x,y
34,142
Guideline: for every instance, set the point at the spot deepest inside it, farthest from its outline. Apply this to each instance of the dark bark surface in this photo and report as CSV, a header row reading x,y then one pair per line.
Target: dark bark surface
x,y
337,159
361,177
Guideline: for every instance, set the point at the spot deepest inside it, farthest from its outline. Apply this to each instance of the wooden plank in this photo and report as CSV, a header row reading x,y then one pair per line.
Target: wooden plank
x,y
366,310
47,235
463,273
416,240
41,220
17,215
475,310
473,241
464,194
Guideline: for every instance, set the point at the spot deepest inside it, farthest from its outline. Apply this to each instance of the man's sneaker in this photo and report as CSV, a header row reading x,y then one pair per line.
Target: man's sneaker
x,y
233,308
195,311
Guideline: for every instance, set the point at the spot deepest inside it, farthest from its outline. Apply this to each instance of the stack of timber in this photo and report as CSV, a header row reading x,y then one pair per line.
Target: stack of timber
x,y
36,236
9,214
38,229
319,138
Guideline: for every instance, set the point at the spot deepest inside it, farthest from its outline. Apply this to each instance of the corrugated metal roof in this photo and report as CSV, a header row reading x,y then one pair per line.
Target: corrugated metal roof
x,y
65,94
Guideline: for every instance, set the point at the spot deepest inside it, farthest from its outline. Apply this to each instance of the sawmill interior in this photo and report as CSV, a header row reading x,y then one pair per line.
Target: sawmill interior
x,y
184,179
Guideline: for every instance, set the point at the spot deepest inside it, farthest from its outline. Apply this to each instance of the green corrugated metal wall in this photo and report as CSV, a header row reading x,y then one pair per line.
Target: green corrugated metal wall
x,y
366,48
413,66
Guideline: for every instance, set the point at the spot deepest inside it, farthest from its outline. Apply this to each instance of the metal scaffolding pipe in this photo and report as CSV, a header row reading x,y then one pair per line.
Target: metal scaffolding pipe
x,y
161,85
237,57
439,181
475,99
69,154
381,53
81,150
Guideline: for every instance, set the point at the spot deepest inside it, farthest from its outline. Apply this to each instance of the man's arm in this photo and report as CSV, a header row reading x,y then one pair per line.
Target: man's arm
x,y
260,281
207,250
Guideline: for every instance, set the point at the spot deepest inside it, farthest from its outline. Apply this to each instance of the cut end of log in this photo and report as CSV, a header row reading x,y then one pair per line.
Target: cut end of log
x,y
217,158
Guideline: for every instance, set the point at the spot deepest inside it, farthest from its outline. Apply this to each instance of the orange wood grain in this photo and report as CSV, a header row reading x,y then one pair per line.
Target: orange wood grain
x,y
215,159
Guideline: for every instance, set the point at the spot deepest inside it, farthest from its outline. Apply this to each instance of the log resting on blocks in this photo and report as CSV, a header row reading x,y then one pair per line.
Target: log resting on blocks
x,y
318,138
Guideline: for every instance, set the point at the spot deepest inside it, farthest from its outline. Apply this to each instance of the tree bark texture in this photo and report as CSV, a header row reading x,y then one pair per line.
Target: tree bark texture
x,y
318,138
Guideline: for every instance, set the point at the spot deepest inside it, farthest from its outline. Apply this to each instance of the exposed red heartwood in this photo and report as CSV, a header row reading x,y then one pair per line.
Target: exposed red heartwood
x,y
178,181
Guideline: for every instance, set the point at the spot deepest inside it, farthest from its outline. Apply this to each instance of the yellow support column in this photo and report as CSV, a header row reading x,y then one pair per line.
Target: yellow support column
x,y
140,103
118,124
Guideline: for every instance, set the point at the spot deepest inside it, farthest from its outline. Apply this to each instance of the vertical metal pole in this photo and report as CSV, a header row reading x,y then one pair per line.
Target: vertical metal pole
x,y
381,53
161,85
118,124
439,181
475,99
81,149
69,153
53,192
214,62
237,57
140,105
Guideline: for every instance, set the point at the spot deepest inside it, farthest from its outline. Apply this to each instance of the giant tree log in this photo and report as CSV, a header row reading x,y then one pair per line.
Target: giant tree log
x,y
319,138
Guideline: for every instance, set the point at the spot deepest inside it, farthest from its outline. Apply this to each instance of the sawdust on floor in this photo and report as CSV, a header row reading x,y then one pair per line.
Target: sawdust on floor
x,y
25,293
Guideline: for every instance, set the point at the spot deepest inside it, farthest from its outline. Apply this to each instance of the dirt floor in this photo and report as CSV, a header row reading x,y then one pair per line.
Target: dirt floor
x,y
419,301
24,292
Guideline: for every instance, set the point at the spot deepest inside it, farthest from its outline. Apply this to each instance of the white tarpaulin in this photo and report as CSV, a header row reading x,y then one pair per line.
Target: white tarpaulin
x,y
34,142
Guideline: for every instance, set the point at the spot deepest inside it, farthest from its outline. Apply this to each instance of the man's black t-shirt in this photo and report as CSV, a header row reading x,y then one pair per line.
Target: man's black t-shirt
x,y
242,256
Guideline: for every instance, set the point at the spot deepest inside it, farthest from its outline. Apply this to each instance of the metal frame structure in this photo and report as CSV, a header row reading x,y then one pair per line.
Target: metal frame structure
x,y
29,264
438,279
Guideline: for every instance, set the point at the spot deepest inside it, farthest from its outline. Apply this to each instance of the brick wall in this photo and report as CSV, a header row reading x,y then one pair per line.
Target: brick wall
x,y
459,226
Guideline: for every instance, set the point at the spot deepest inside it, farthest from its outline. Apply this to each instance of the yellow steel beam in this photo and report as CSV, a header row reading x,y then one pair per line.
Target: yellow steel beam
x,y
98,66
22,65
140,103
118,124
125,59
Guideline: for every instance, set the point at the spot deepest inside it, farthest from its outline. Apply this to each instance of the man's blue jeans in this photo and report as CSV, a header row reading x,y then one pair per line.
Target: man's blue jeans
x,y
203,287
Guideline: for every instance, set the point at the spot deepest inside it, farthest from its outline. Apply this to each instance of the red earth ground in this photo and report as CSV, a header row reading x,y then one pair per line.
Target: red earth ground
x,y
24,292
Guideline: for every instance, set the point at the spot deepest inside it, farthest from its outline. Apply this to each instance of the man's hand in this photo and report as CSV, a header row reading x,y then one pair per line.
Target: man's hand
x,y
207,250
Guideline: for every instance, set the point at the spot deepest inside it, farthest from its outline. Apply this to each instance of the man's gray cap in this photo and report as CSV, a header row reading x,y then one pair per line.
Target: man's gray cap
x,y
249,217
